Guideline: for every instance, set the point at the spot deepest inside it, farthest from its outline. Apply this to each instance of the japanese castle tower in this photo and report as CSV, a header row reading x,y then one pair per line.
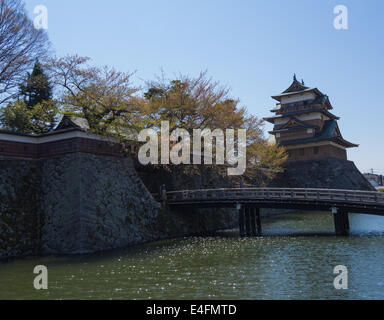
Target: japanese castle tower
x,y
305,126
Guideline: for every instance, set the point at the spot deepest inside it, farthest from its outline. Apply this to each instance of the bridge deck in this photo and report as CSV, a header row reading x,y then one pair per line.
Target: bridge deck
x,y
312,199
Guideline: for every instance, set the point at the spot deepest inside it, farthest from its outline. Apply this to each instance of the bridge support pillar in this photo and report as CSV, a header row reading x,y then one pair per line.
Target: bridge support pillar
x,y
252,214
249,221
241,209
341,220
258,221
248,226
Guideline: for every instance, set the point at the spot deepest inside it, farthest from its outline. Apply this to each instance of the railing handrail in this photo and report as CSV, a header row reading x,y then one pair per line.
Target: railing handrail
x,y
270,189
290,193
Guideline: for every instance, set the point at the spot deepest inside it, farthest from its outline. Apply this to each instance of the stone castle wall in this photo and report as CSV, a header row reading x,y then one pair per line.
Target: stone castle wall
x,y
316,152
19,207
93,202
81,202
326,173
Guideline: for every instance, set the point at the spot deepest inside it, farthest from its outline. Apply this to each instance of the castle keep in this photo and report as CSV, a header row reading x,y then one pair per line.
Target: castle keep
x,y
305,125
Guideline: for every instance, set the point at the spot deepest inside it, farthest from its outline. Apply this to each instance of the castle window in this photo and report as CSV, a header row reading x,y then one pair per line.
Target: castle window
x,y
302,152
316,150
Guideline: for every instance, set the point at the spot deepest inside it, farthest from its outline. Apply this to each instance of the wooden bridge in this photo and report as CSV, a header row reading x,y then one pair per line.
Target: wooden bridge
x,y
249,201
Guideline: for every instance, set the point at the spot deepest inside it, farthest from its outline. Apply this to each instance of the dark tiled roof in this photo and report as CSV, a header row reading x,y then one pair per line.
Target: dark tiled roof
x,y
295,127
67,123
4,131
320,99
295,113
296,86
327,133
289,93
302,124
72,122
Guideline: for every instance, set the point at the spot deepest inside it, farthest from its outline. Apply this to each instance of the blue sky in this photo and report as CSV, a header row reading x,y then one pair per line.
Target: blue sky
x,y
253,46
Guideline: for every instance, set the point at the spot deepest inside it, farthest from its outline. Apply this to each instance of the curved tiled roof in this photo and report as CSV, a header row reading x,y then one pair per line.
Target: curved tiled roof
x,y
327,133
72,122
295,113
296,86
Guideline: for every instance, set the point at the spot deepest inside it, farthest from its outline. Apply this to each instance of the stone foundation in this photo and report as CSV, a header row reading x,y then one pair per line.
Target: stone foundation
x,y
81,203
329,173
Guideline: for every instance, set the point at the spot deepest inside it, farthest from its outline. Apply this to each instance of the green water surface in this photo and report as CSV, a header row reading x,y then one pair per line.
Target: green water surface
x,y
293,260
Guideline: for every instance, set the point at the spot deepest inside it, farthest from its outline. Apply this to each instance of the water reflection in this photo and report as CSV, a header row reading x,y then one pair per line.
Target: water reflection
x,y
293,260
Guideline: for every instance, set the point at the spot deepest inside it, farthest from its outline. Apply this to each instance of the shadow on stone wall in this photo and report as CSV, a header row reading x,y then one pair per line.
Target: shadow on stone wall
x,y
20,232
330,173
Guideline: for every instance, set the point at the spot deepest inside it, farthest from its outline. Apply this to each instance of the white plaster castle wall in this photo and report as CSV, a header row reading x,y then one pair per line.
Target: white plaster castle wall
x,y
298,97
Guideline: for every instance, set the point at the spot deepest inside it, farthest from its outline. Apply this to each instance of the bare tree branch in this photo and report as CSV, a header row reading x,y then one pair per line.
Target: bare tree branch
x,y
101,95
20,45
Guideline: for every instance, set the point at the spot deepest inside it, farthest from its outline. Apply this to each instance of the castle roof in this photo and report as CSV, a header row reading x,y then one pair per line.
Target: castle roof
x,y
69,122
330,131
295,88
294,123
296,113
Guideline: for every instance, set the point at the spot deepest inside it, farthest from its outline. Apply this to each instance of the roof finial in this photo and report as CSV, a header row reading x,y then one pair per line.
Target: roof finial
x,y
302,82
294,77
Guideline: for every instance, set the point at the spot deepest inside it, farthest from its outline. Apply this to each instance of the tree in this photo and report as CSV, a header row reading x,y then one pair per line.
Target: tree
x,y
37,87
36,113
39,119
103,96
266,155
16,117
192,103
201,103
20,45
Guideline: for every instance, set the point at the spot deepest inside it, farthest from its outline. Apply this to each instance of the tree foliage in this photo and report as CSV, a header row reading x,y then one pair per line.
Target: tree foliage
x,y
37,87
201,103
103,96
192,103
112,105
36,112
39,119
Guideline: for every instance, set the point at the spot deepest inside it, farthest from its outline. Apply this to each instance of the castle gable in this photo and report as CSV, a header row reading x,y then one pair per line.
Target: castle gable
x,y
296,86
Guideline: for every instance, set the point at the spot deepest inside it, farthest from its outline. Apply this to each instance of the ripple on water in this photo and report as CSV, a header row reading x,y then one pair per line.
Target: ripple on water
x,y
293,260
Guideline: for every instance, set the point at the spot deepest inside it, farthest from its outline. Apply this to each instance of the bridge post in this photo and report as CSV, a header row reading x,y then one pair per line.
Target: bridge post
x,y
163,195
345,220
248,221
252,213
258,221
241,212
341,221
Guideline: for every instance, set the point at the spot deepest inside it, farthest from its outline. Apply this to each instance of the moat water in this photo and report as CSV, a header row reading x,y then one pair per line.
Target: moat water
x,y
293,260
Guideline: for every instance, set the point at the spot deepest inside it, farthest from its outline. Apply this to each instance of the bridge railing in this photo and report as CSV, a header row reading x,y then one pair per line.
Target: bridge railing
x,y
277,193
